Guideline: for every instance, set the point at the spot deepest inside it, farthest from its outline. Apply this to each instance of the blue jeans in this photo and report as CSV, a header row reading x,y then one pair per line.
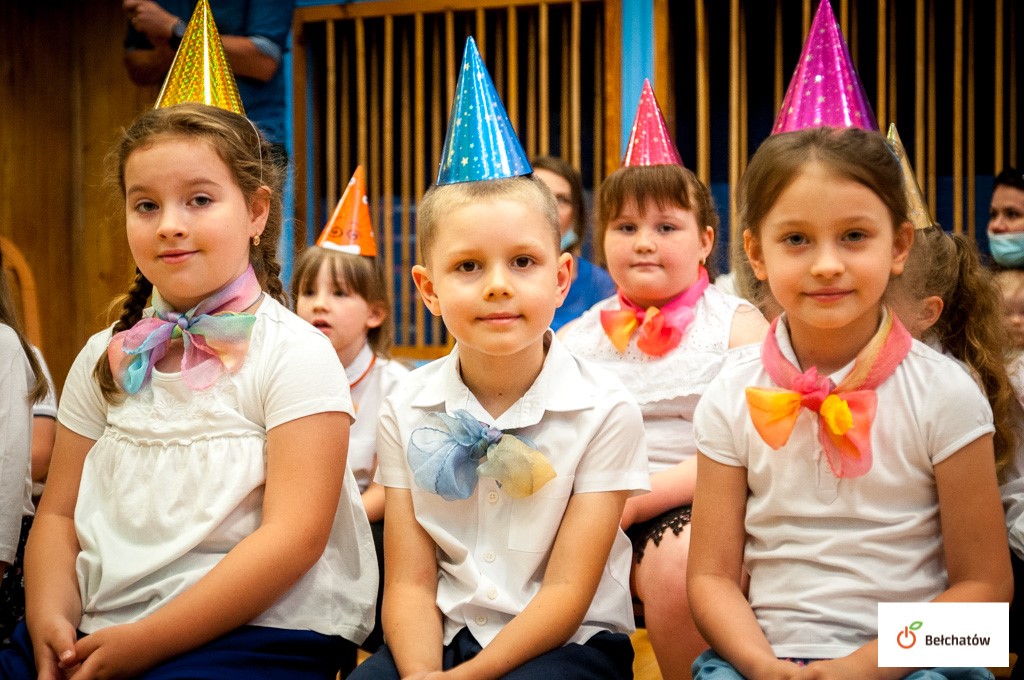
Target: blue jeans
x,y
710,666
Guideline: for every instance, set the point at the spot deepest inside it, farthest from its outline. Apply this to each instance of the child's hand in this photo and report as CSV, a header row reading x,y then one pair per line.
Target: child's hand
x,y
114,652
777,669
54,647
842,668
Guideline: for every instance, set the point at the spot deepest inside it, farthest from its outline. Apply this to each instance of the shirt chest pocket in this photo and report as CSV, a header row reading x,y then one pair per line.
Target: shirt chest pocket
x,y
535,519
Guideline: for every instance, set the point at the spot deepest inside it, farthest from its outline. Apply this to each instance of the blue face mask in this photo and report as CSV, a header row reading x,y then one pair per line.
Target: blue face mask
x,y
1008,248
569,239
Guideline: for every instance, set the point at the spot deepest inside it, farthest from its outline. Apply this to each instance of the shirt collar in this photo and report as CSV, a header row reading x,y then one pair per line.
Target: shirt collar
x,y
786,346
560,387
359,365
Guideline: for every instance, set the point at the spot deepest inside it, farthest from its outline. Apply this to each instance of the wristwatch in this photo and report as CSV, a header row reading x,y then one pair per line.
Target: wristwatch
x,y
177,32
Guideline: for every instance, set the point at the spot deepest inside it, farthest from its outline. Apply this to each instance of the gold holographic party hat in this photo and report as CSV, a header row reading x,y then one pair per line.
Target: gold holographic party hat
x,y
200,72
917,211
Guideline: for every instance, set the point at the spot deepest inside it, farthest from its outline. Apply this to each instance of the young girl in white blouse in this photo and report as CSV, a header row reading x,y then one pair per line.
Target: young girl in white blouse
x,y
198,517
842,463
665,335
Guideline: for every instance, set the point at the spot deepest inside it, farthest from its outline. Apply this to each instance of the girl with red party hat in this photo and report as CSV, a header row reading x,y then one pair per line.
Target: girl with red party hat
x,y
665,334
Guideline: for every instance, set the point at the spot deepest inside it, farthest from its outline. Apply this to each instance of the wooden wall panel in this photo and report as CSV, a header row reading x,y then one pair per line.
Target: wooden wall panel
x,y
64,95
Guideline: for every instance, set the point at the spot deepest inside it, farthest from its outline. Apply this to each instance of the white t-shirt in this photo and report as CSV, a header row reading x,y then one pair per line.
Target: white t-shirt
x,y
1012,489
492,549
176,480
15,441
667,387
370,384
823,552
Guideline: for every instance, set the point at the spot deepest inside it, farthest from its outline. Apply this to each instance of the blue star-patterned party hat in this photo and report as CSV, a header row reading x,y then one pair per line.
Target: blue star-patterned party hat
x,y
480,143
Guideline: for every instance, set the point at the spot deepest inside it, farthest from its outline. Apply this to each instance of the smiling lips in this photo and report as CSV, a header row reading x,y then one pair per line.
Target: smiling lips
x,y
175,256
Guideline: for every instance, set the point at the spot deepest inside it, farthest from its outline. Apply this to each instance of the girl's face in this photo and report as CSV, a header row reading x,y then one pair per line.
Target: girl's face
x,y
188,222
560,187
1006,213
1013,313
653,254
827,248
343,316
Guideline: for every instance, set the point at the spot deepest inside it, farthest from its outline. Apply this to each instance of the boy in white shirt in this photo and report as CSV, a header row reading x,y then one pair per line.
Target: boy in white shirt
x,y
489,572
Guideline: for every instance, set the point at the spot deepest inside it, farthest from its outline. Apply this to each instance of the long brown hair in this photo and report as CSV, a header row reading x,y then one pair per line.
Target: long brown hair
x,y
246,154
39,388
970,327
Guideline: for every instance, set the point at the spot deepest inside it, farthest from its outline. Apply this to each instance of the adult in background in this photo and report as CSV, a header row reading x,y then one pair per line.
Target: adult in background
x,y
255,38
591,283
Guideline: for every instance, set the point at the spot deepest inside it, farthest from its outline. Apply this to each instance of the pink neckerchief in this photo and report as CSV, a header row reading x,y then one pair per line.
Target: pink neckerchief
x,y
661,330
845,411
215,334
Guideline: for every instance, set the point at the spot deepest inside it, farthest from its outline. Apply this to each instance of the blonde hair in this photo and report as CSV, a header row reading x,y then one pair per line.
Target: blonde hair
x,y
850,153
667,186
247,156
970,327
441,201
354,274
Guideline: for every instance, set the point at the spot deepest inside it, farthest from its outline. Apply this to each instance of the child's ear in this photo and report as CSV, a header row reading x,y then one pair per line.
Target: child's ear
x,y
377,313
421,277
902,241
707,241
259,211
565,276
931,310
752,247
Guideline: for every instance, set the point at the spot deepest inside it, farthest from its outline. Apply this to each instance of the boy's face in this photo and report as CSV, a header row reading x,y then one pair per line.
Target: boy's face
x,y
1013,312
495,275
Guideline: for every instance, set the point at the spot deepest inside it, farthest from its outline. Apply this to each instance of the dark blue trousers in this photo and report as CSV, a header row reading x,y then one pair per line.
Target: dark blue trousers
x,y
604,656
251,652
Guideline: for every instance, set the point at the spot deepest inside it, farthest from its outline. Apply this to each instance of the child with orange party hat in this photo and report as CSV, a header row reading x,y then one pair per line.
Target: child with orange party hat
x,y
841,463
199,519
506,463
665,334
339,286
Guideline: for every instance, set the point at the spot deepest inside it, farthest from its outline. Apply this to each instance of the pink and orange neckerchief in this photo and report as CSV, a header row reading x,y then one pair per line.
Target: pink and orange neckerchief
x,y
845,411
661,330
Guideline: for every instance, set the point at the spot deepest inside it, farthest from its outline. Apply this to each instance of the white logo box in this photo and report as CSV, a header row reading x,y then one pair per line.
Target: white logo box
x,y
929,634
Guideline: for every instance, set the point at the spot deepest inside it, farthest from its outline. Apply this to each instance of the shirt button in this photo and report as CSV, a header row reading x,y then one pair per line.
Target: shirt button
x,y
492,497
489,556
492,594
481,620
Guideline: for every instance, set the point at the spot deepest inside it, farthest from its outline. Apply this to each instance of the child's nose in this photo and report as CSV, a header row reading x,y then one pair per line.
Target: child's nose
x,y
644,241
826,262
171,225
497,283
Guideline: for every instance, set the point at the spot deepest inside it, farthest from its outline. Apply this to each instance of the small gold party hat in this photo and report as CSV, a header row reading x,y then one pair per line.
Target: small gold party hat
x,y
200,72
917,211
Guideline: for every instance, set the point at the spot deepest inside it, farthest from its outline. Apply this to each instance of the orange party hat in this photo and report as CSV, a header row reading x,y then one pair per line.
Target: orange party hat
x,y
349,229
200,72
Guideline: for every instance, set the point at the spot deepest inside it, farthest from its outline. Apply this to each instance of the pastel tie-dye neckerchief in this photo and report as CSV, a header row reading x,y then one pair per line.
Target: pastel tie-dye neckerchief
x,y
445,455
845,411
661,330
215,334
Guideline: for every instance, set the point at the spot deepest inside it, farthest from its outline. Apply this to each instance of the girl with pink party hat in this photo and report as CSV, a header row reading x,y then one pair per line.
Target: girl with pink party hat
x,y
664,334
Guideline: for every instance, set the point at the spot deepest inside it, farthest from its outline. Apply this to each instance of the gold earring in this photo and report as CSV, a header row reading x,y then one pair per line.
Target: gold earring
x,y
256,240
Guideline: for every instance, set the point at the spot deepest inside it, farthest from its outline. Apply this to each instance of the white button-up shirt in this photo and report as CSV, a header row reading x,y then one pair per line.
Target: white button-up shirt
x,y
492,549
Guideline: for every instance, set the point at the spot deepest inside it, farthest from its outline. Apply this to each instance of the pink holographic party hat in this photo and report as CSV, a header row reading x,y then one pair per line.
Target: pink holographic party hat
x,y
825,89
649,140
